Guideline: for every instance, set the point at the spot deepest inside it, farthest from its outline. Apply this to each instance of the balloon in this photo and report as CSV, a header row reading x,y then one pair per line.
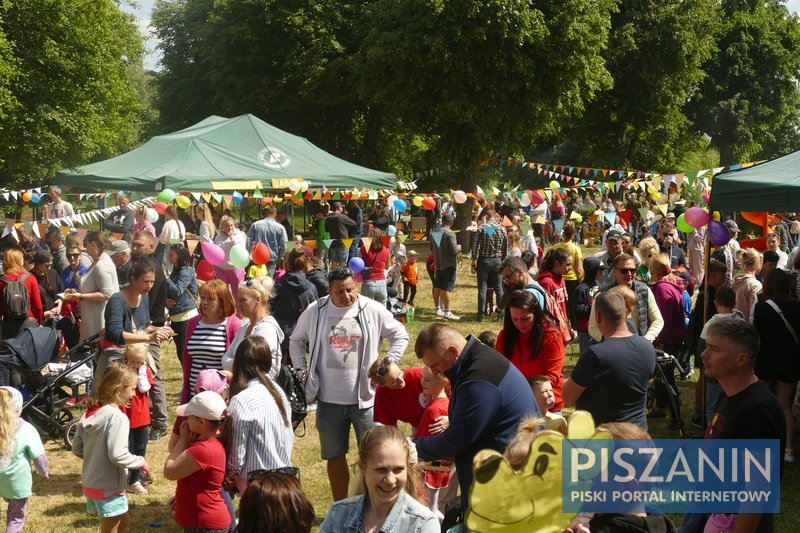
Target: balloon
x,y
356,264
683,225
303,186
166,196
183,202
160,208
429,204
400,205
460,197
391,231
26,197
237,198
718,233
696,217
717,216
417,201
35,198
260,254
555,185
213,253
238,256
536,198
294,185
205,271
525,201
706,198
152,215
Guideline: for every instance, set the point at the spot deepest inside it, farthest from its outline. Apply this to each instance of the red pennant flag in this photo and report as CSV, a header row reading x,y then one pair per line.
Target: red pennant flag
x,y
385,239
625,215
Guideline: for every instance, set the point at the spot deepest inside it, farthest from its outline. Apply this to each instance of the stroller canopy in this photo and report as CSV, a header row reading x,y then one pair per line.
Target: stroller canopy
x,y
32,349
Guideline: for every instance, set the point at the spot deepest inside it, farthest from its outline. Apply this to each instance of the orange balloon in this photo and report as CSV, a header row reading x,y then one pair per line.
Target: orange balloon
x,y
26,197
160,208
260,254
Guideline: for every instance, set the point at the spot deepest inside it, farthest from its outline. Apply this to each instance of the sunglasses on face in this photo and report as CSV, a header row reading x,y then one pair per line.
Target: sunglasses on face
x,y
291,470
73,256
627,270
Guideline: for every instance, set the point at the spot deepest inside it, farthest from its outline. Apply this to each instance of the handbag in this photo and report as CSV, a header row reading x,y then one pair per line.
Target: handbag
x,y
295,392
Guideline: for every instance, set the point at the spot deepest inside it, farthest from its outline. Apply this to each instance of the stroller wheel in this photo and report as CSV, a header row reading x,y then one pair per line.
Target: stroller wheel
x,y
69,433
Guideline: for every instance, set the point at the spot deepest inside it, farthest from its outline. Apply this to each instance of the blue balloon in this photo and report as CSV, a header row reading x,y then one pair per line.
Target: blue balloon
x,y
356,264
237,198
391,231
35,198
400,205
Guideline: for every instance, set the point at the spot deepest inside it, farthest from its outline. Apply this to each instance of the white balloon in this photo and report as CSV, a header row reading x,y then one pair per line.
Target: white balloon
x,y
460,197
152,215
294,185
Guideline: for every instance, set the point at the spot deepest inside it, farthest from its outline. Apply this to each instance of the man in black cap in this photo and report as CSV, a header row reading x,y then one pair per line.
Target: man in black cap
x,y
605,274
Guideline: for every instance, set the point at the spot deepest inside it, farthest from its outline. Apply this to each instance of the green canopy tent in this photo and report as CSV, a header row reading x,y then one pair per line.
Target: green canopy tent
x,y
223,154
772,186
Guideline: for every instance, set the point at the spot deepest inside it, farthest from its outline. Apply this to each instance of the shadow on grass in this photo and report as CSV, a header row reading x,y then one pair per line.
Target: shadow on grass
x,y
59,485
83,520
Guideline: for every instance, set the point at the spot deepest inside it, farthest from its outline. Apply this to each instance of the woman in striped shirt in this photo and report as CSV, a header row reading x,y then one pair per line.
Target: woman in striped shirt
x,y
209,334
262,436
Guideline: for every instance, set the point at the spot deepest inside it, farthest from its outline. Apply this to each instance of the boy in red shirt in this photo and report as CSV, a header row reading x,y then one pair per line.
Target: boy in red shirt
x,y
139,409
410,277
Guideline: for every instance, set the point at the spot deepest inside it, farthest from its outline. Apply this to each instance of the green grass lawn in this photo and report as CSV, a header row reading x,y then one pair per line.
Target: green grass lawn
x,y
58,504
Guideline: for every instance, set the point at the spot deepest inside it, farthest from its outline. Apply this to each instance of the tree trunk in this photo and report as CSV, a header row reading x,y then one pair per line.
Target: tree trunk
x,y
469,184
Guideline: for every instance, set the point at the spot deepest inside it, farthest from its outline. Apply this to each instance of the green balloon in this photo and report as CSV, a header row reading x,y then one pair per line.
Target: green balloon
x,y
166,196
683,225
238,256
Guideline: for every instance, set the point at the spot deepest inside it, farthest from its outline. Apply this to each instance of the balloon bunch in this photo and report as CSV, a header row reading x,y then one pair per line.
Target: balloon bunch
x,y
237,256
696,217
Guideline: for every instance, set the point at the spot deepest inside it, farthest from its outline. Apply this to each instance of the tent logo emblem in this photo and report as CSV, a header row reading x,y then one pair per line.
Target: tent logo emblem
x,y
274,157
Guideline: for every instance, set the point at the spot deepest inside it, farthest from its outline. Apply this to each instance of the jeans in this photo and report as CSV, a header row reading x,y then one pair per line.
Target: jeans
x,y
375,289
488,275
584,341
137,445
180,338
158,396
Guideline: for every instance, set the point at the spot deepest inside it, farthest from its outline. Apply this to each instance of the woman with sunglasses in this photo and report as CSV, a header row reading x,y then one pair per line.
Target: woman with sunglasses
x,y
71,280
647,316
181,294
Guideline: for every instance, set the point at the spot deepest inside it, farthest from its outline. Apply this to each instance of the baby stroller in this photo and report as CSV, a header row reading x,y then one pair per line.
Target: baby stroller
x,y
46,394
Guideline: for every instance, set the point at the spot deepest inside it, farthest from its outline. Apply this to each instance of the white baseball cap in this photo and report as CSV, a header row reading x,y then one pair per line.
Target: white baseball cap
x,y
207,405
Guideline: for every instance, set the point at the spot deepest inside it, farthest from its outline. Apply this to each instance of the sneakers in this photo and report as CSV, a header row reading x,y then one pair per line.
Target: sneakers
x,y
788,456
440,312
137,488
146,478
156,434
448,315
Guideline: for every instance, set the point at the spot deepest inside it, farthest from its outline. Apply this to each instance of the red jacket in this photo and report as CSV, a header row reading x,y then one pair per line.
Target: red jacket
x,y
35,309
554,284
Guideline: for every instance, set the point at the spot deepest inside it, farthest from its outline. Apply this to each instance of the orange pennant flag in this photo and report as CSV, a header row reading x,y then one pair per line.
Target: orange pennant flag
x,y
385,239
117,236
228,199
311,244
507,222
347,243
191,244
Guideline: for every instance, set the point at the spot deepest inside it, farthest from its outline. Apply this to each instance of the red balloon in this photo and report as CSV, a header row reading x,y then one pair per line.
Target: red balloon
x,y
429,204
160,208
260,254
205,271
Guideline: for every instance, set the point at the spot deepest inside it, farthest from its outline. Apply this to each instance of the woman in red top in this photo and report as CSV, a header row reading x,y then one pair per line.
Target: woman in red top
x,y
556,263
530,340
376,259
14,270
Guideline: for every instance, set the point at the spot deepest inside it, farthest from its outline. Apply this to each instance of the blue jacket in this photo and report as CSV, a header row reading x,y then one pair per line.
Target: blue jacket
x,y
407,516
490,397
182,287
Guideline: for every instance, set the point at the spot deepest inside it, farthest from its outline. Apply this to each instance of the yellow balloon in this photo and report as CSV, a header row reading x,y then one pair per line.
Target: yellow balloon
x,y
717,216
555,185
417,201
183,202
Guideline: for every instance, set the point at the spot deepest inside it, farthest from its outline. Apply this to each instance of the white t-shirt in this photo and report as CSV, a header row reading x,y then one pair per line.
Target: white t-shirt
x,y
338,363
173,230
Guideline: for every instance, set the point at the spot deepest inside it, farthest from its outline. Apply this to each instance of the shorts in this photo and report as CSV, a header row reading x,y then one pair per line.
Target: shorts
x,y
333,425
446,279
337,253
107,507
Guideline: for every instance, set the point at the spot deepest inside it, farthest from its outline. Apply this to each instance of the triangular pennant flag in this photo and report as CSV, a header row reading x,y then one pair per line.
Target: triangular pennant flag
x,y
366,242
559,224
206,197
402,237
611,218
574,216
347,243
540,220
327,242
524,228
117,236
311,244
257,193
437,236
488,229
191,245
643,212
663,208
64,230
593,219
625,215
507,222
385,239
228,199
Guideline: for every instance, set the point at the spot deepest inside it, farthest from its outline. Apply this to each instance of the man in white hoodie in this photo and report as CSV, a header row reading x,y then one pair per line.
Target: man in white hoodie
x,y
342,334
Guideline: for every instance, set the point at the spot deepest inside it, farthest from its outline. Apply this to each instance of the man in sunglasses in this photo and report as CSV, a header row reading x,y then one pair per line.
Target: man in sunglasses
x,y
342,334
646,314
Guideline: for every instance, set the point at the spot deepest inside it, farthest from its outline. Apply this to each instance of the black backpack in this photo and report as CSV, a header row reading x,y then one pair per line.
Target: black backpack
x,y
15,298
295,392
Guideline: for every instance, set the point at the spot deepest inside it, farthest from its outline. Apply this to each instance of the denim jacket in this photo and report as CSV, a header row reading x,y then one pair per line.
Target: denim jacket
x,y
407,516
180,284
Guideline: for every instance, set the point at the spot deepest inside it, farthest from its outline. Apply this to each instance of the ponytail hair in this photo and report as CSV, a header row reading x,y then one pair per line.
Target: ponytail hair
x,y
253,360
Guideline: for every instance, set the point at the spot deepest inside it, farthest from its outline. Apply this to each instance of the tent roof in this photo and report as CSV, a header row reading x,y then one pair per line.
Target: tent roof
x,y
771,186
218,149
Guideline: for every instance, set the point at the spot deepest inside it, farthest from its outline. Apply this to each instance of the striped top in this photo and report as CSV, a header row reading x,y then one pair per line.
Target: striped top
x,y
260,438
206,347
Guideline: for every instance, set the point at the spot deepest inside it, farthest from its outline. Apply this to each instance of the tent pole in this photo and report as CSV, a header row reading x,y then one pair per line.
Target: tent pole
x,y
706,263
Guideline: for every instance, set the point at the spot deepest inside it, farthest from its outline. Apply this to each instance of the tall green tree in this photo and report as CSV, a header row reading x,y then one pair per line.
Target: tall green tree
x,y
749,101
67,95
655,55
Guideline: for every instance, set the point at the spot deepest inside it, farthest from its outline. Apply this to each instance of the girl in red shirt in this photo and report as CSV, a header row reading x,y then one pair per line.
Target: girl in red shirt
x,y
532,343
437,404
14,270
136,356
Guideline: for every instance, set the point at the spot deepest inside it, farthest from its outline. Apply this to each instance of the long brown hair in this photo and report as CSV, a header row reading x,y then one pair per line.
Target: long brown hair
x,y
275,502
253,360
526,301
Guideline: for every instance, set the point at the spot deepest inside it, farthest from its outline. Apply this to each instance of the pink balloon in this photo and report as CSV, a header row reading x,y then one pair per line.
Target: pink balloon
x,y
536,197
213,253
718,233
696,217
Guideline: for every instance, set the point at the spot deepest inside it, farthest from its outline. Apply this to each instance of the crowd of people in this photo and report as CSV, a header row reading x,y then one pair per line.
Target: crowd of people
x,y
340,330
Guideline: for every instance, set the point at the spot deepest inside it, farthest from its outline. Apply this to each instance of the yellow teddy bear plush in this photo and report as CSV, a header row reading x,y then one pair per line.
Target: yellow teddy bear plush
x,y
529,499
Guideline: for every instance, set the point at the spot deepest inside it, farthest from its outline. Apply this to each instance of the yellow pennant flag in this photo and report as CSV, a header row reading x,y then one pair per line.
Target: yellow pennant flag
x,y
366,242
347,242
191,245
663,208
